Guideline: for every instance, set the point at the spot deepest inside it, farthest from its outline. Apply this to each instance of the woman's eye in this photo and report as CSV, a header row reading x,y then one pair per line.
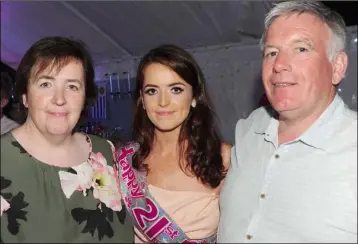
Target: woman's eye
x,y
45,85
73,87
177,90
150,91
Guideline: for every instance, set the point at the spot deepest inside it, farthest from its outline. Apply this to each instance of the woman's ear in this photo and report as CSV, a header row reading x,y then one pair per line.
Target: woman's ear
x,y
141,98
24,101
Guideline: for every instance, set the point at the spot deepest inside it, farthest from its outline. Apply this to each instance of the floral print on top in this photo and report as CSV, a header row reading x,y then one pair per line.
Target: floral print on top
x,y
33,198
95,175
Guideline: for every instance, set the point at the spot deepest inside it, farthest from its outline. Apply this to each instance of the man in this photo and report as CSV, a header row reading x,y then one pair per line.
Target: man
x,y
6,123
293,173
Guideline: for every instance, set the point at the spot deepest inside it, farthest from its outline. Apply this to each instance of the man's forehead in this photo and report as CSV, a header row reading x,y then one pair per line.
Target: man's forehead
x,y
305,19
303,27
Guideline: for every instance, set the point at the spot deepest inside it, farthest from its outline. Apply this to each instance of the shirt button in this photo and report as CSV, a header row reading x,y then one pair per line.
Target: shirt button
x,y
248,237
277,156
262,196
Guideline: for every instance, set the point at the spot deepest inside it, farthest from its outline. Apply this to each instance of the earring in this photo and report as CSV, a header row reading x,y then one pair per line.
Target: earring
x,y
193,103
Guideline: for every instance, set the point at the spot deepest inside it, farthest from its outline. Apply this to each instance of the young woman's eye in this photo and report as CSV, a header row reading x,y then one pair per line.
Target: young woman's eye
x,y
73,87
177,90
150,91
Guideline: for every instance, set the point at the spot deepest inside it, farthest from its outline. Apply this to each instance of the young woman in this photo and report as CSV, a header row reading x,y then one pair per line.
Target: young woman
x,y
172,175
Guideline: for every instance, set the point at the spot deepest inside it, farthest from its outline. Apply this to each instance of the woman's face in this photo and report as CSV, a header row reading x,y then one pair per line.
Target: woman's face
x,y
55,99
166,97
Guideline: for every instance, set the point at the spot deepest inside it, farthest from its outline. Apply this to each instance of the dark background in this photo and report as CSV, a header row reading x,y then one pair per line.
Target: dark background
x,y
7,69
348,9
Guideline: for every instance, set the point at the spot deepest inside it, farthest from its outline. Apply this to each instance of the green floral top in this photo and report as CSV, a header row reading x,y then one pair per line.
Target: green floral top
x,y
45,203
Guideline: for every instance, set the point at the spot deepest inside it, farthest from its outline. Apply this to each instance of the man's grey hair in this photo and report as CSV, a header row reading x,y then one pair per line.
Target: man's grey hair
x,y
334,21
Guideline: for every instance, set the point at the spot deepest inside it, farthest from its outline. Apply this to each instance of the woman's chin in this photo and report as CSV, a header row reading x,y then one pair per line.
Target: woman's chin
x,y
166,129
59,130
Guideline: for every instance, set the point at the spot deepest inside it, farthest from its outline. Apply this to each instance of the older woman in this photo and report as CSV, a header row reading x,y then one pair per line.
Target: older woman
x,y
56,185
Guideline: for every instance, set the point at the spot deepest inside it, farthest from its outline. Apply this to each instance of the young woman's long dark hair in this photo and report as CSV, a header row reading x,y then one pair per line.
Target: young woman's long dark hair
x,y
198,139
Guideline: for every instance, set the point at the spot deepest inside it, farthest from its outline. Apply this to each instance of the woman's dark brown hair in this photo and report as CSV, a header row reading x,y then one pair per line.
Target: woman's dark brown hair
x,y
198,139
55,52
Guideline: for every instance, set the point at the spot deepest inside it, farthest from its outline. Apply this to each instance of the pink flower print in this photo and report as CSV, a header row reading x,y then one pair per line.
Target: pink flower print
x,y
4,205
109,196
106,189
98,162
115,175
94,174
115,205
80,181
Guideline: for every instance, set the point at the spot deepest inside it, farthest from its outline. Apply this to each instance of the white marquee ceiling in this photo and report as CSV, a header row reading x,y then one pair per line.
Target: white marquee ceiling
x,y
118,30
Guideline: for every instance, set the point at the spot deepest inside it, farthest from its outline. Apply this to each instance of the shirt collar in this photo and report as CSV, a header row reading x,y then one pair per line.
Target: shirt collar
x,y
267,122
317,134
324,128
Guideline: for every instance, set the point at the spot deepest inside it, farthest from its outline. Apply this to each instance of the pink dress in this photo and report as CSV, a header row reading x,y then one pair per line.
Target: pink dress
x,y
196,213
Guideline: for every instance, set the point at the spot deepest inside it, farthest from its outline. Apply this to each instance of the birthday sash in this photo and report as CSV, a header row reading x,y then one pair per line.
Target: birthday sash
x,y
149,217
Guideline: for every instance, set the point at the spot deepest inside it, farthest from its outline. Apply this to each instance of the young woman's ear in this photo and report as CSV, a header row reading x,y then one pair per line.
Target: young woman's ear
x,y
141,98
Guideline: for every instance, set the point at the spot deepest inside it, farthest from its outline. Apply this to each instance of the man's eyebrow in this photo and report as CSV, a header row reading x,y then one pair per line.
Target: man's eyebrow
x,y
306,41
270,46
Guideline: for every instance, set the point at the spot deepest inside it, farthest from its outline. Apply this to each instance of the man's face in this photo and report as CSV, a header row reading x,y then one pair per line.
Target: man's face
x,y
296,72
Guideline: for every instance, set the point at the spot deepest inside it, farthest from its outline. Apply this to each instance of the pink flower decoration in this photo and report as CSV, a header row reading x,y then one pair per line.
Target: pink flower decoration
x,y
96,174
80,181
4,205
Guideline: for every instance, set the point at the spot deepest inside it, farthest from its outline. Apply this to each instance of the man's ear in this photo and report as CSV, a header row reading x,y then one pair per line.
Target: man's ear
x,y
340,63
